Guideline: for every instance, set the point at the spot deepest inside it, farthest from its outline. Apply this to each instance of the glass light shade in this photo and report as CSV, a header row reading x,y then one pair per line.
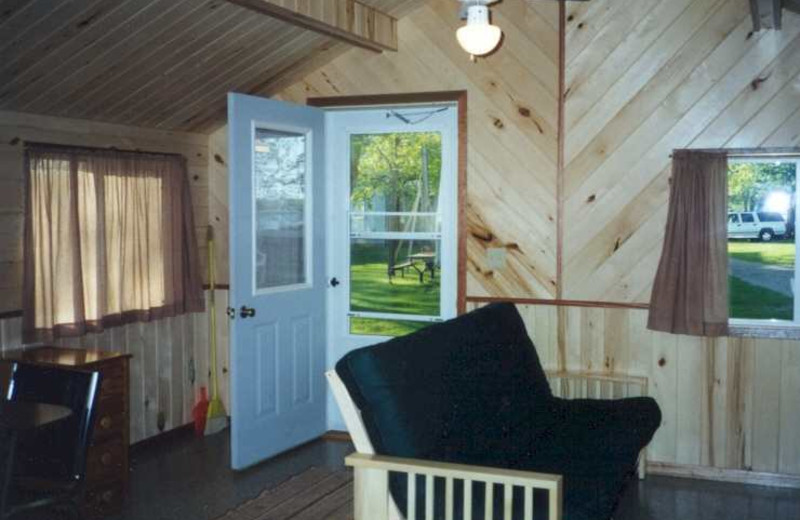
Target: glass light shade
x,y
479,39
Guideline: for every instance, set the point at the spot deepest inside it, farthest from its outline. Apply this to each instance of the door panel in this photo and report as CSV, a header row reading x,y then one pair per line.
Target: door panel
x,y
277,273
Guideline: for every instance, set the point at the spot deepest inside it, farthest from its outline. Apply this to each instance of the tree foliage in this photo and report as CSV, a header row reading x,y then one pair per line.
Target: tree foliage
x,y
388,169
749,184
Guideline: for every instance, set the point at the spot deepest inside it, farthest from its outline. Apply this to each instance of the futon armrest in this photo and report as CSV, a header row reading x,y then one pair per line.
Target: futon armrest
x,y
373,487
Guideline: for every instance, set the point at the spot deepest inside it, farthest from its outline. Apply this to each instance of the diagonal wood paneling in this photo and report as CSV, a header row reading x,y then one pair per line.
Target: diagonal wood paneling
x,y
683,75
513,119
155,63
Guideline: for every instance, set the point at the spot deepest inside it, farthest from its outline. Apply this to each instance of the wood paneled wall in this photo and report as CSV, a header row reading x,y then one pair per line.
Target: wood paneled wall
x,y
170,357
513,121
644,77
641,77
728,403
169,365
16,128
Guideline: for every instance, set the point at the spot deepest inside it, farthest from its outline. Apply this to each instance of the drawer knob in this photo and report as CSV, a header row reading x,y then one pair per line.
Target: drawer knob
x,y
105,422
106,458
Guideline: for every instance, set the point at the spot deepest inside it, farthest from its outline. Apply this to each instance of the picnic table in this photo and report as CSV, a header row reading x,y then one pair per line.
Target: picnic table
x,y
420,262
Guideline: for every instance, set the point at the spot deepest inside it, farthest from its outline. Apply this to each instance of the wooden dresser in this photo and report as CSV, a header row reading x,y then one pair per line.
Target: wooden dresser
x,y
107,463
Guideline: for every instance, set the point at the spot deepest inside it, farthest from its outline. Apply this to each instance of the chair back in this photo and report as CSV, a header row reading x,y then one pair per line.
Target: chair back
x,y
74,389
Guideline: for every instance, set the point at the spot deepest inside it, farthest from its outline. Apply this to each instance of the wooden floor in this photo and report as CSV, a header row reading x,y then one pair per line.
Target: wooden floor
x,y
191,479
315,494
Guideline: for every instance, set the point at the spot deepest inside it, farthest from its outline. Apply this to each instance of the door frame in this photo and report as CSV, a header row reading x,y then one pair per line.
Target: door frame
x,y
459,97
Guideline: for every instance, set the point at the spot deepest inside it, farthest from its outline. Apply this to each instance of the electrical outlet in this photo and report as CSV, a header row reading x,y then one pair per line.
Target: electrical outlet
x,y
496,257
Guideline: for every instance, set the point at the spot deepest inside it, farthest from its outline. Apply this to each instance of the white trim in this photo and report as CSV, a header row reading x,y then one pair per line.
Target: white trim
x,y
395,235
394,316
308,210
343,123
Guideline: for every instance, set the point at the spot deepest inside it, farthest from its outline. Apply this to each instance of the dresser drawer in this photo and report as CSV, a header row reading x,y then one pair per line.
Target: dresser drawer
x,y
113,382
108,425
105,460
104,500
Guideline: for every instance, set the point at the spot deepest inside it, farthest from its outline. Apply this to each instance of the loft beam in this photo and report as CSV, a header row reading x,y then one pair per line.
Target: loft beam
x,y
349,21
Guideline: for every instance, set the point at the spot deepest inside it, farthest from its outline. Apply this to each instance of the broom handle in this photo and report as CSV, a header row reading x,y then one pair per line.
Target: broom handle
x,y
212,282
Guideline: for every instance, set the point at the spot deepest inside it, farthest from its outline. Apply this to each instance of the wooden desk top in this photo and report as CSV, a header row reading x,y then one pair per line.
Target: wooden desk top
x,y
61,356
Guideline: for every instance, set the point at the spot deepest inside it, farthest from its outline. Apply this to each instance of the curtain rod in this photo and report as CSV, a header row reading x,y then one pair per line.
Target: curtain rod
x,y
34,144
746,152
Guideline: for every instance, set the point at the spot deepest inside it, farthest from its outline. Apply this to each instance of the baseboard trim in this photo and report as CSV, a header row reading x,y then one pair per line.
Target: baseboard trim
x,y
739,476
337,436
178,432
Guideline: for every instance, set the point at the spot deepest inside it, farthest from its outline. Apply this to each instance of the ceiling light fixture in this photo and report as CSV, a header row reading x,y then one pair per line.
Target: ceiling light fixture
x,y
478,37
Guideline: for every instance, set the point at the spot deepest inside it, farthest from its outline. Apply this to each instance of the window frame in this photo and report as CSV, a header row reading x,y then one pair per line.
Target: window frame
x,y
308,230
773,328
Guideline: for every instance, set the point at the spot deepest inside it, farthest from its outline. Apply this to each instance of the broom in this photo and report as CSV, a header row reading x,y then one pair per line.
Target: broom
x,y
216,418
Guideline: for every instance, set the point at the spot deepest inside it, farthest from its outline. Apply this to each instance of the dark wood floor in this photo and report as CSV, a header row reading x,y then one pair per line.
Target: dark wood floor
x,y
191,479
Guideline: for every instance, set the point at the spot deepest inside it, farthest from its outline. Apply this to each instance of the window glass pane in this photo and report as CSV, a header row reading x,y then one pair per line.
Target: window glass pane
x,y
733,218
395,276
761,248
378,327
394,188
279,188
395,172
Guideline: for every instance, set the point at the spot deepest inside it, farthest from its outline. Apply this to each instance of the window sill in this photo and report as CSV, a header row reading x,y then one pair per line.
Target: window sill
x,y
764,330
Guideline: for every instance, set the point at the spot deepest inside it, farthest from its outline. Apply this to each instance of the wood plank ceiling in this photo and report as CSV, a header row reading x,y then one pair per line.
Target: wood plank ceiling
x,y
153,63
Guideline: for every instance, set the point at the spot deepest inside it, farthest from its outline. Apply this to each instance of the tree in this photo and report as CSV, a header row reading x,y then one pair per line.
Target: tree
x,y
387,169
749,184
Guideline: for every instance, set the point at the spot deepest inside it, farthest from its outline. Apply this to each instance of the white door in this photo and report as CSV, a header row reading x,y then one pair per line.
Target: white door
x,y
277,203
393,226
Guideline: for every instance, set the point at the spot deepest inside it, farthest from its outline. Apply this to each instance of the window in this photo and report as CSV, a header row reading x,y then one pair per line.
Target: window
x,y
762,244
109,240
281,210
393,220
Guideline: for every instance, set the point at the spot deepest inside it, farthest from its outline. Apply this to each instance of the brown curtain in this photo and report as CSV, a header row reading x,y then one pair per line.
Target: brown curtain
x,y
690,293
109,240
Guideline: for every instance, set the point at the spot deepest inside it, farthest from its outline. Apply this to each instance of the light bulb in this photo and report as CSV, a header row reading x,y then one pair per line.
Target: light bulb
x,y
478,37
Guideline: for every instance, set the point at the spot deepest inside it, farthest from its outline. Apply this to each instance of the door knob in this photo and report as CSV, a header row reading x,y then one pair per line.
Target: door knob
x,y
247,312
334,282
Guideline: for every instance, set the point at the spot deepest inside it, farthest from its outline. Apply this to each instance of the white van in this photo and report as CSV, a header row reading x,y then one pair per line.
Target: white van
x,y
762,225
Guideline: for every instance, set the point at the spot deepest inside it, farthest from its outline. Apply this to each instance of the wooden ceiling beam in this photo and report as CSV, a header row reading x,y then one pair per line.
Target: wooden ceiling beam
x,y
767,14
346,20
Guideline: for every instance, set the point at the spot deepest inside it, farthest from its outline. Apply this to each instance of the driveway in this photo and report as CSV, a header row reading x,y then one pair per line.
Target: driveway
x,y
776,278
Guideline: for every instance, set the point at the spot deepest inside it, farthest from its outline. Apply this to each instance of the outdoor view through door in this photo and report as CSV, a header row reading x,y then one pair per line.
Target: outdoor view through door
x,y
395,231
399,212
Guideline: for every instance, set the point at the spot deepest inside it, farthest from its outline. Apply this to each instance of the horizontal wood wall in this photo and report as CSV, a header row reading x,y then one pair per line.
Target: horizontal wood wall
x,y
729,403
170,357
512,128
16,128
169,365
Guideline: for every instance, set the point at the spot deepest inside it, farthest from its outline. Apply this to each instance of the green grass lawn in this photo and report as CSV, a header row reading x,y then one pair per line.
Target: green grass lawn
x,y
772,253
757,303
371,290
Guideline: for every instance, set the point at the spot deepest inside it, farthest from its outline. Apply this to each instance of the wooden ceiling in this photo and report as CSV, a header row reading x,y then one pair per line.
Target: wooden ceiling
x,y
154,63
